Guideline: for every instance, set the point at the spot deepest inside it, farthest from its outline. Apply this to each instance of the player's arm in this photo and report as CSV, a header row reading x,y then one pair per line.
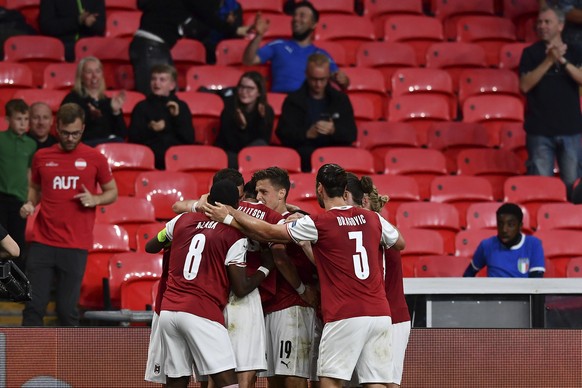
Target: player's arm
x,y
189,205
474,265
27,208
391,236
240,283
157,243
9,247
109,193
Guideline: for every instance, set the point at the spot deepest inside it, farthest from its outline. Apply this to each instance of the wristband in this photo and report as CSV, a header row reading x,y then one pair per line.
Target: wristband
x,y
264,270
228,220
193,208
301,289
162,235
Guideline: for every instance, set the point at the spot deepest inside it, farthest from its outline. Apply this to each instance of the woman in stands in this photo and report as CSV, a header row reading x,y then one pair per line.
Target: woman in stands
x,y
247,118
103,117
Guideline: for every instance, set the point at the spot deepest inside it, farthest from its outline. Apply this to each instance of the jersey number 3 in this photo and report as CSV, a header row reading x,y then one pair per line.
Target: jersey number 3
x,y
194,256
361,267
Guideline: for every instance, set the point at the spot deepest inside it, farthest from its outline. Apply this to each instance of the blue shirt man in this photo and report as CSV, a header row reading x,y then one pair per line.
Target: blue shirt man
x,y
510,254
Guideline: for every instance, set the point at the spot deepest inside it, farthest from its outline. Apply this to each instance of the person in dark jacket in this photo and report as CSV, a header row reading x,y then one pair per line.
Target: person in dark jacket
x,y
316,115
161,120
247,118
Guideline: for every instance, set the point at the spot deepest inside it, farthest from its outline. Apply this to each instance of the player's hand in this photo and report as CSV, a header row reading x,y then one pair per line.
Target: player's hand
x,y
294,216
216,212
174,108
310,296
157,126
86,198
117,102
27,209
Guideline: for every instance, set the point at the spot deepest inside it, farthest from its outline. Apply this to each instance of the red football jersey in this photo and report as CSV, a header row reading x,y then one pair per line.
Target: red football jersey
x,y
163,280
345,245
395,286
197,276
62,220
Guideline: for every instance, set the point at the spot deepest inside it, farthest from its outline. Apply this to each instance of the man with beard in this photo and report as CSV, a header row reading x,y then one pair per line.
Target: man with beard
x,y
289,56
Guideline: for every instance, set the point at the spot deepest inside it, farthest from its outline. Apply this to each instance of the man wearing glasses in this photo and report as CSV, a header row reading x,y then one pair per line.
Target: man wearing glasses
x,y
67,175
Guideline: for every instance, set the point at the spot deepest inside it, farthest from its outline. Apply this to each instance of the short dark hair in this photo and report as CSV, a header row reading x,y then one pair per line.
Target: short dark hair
x,y
359,186
250,190
333,178
165,69
69,112
230,174
16,105
512,209
278,177
225,192
310,6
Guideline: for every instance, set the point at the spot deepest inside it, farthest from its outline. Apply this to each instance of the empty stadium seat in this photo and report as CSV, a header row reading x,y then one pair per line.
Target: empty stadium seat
x,y
467,241
574,268
418,31
127,212
510,55
52,98
107,240
360,161
254,158
399,188
129,265
450,137
421,164
335,50
201,161
512,138
495,165
461,191
136,292
364,109
214,77
36,51
122,24
334,28
532,191
164,188
455,57
559,216
120,5
205,109
519,12
450,11
440,266
59,76
560,246
126,161
334,7
442,217
369,83
476,82
186,53
489,32
302,192
419,242
378,11
386,57
380,136
114,54
13,76
482,215
146,232
266,7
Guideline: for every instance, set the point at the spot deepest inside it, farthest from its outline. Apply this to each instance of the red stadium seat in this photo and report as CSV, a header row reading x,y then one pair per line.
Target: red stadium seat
x,y
512,138
364,109
451,10
493,111
131,100
146,232
28,8
164,188
441,266
386,57
489,32
131,265
360,161
533,191
334,7
52,98
421,164
425,81
128,212
380,136
302,192
467,241
416,30
107,240
369,83
378,11
476,82
13,76
254,158
559,216
229,52
442,217
206,109
399,188
122,24
266,7
482,215
136,292
334,28
120,5
419,242
35,51
421,111
200,161
560,246
454,57
279,26
460,191
59,76
213,77
187,53
519,12
574,268
335,50
495,165
510,54
114,54
127,160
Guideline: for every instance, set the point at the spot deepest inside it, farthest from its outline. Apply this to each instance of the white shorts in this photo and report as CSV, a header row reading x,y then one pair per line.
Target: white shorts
x,y
363,344
189,339
289,338
400,334
156,357
246,329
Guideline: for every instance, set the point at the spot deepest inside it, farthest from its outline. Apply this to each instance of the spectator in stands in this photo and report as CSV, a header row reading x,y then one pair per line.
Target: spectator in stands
x,y
577,196
550,77
64,181
289,57
161,120
16,151
103,116
70,20
247,118
41,122
510,254
573,12
316,115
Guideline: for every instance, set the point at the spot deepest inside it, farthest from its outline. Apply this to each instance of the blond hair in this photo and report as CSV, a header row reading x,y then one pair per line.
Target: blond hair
x,y
78,87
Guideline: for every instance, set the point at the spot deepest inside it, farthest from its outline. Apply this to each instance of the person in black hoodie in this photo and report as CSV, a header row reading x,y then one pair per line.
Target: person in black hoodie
x,y
161,120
